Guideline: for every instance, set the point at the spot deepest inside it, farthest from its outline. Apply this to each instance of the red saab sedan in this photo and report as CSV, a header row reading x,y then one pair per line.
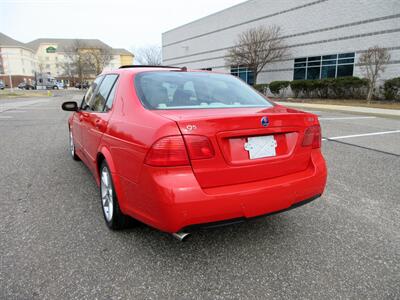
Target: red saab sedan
x,y
179,149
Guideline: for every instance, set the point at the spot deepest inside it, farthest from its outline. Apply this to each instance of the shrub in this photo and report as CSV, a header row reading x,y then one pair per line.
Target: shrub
x,y
306,88
346,87
262,88
298,87
276,86
323,87
349,87
391,89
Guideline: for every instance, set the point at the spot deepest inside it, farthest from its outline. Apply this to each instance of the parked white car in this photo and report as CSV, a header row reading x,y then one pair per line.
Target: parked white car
x,y
60,85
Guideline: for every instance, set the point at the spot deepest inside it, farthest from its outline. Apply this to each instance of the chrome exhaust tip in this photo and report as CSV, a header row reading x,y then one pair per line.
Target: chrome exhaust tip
x,y
181,236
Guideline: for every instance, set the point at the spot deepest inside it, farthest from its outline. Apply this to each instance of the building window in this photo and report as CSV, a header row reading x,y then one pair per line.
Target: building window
x,y
243,73
345,70
326,66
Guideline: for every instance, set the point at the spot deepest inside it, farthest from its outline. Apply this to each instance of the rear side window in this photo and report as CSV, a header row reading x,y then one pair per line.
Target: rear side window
x,y
91,92
98,102
111,96
195,90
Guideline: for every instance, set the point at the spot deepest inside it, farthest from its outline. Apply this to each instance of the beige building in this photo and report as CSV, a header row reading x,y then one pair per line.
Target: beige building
x,y
123,57
52,56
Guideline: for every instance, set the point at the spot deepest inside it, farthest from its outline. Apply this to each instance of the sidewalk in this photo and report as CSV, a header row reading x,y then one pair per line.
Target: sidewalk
x,y
354,109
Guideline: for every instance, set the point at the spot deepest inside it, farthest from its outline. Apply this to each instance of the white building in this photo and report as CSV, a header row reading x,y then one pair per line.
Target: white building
x,y
325,37
17,60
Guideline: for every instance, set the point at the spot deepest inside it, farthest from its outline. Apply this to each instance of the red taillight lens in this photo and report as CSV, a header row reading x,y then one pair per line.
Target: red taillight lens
x,y
199,147
168,152
312,137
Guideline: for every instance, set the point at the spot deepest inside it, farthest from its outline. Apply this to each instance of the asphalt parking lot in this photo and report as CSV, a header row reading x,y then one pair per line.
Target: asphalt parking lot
x,y
55,245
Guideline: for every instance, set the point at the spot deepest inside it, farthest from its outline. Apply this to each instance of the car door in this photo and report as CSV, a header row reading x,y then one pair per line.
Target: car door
x,y
82,114
95,122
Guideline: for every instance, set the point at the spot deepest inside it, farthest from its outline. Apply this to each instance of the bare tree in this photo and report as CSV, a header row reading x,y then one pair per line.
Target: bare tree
x,y
257,47
100,58
83,62
40,65
77,63
149,55
372,64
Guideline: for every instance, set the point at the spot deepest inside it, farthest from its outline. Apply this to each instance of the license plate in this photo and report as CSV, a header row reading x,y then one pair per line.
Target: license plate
x,y
261,146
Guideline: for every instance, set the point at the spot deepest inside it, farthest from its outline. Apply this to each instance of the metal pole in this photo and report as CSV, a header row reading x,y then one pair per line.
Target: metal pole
x,y
35,79
9,72
11,84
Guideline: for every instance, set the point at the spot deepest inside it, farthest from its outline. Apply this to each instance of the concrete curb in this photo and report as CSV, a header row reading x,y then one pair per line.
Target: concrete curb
x,y
353,109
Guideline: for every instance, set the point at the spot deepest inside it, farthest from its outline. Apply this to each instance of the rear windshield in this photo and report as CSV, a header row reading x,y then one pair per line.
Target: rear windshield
x,y
195,90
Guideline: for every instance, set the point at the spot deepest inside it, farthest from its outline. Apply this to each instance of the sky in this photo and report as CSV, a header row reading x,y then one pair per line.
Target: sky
x,y
119,23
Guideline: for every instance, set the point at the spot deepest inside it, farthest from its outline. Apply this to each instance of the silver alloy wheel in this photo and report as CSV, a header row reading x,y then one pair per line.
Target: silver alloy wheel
x,y
71,144
107,194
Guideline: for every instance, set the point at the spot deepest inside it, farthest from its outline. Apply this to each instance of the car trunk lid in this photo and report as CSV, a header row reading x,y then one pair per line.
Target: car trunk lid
x,y
250,144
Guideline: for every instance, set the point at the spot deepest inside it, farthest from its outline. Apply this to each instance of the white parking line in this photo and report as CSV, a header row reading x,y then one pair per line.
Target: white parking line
x,y
5,117
315,112
42,108
345,118
360,135
16,111
14,105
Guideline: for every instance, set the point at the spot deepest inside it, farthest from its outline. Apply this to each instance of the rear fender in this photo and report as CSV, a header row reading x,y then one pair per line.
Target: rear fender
x,y
108,158
105,152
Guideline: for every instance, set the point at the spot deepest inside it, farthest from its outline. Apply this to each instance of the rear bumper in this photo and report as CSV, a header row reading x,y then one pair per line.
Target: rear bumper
x,y
170,199
242,220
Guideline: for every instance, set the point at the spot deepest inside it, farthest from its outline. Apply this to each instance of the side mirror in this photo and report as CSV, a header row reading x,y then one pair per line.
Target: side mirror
x,y
70,106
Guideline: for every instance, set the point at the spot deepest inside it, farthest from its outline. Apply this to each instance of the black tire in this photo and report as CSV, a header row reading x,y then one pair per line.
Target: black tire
x,y
115,220
72,146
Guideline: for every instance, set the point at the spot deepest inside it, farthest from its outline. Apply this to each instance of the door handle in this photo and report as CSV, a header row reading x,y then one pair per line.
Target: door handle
x,y
99,124
83,115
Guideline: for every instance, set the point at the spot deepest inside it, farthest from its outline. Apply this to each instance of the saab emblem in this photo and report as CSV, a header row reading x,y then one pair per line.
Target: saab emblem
x,y
264,121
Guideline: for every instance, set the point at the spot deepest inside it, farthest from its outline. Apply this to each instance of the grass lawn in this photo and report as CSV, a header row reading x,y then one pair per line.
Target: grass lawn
x,y
7,94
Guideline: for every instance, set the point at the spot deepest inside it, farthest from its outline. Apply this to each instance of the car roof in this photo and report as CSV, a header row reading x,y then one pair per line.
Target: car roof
x,y
150,66
134,69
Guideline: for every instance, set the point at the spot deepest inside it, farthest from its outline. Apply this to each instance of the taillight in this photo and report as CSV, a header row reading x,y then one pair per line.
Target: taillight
x,y
312,137
199,147
169,151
